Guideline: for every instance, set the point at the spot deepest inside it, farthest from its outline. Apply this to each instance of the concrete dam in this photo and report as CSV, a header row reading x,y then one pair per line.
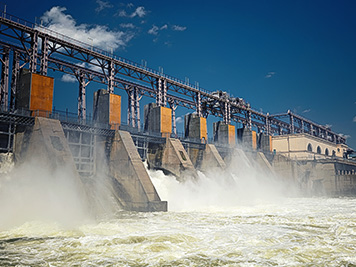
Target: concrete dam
x,y
287,146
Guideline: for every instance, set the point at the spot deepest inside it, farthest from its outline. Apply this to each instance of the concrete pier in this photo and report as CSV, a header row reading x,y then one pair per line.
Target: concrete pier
x,y
195,128
158,120
247,138
211,159
172,158
107,109
133,183
45,146
35,93
224,133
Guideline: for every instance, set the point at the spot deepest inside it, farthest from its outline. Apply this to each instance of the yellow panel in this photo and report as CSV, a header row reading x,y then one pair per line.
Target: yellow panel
x,y
166,120
232,137
203,129
115,111
254,140
41,99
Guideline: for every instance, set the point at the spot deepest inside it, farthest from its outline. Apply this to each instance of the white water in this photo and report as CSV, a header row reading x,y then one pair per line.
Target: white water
x,y
295,232
239,218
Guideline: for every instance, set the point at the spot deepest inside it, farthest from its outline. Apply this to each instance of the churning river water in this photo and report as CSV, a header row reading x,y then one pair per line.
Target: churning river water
x,y
292,232
209,223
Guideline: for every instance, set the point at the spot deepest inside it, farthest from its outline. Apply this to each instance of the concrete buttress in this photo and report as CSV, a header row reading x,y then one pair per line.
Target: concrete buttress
x,y
211,159
45,147
47,144
172,158
264,163
133,182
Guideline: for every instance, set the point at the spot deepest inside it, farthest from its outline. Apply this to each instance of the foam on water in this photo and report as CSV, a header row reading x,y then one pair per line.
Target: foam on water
x,y
243,183
297,232
238,218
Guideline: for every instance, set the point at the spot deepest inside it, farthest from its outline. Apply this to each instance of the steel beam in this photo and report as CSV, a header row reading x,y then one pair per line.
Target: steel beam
x,y
81,98
110,77
173,106
34,51
4,86
44,56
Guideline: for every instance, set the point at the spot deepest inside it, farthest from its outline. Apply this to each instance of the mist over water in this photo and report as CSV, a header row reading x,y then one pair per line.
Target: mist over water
x,y
244,182
241,217
34,192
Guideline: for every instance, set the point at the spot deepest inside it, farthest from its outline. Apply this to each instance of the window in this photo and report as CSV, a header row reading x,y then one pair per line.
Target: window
x,y
318,150
310,148
334,153
327,152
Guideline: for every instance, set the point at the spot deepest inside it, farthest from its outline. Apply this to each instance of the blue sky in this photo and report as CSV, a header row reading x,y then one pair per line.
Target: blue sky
x,y
277,55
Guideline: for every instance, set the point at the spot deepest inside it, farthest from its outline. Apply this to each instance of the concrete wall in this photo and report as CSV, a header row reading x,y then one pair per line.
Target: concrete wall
x,y
296,146
332,177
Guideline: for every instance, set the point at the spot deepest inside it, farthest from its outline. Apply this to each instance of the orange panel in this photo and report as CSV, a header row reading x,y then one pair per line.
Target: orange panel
x,y
203,129
254,140
41,98
231,132
114,111
270,143
166,120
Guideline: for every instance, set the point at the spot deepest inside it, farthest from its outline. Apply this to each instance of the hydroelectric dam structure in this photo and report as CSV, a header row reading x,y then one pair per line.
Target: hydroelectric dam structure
x,y
31,128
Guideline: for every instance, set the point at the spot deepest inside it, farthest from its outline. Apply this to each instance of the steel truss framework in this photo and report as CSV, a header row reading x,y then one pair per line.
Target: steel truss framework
x,y
40,49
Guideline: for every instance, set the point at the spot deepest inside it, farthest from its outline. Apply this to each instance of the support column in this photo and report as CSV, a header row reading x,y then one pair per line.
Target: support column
x,y
164,95
34,51
44,57
174,123
268,130
131,112
159,101
14,79
227,112
137,105
81,98
249,119
198,104
4,90
110,77
132,107
291,126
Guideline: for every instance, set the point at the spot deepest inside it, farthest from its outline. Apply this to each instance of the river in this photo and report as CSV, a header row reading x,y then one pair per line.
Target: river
x,y
210,222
